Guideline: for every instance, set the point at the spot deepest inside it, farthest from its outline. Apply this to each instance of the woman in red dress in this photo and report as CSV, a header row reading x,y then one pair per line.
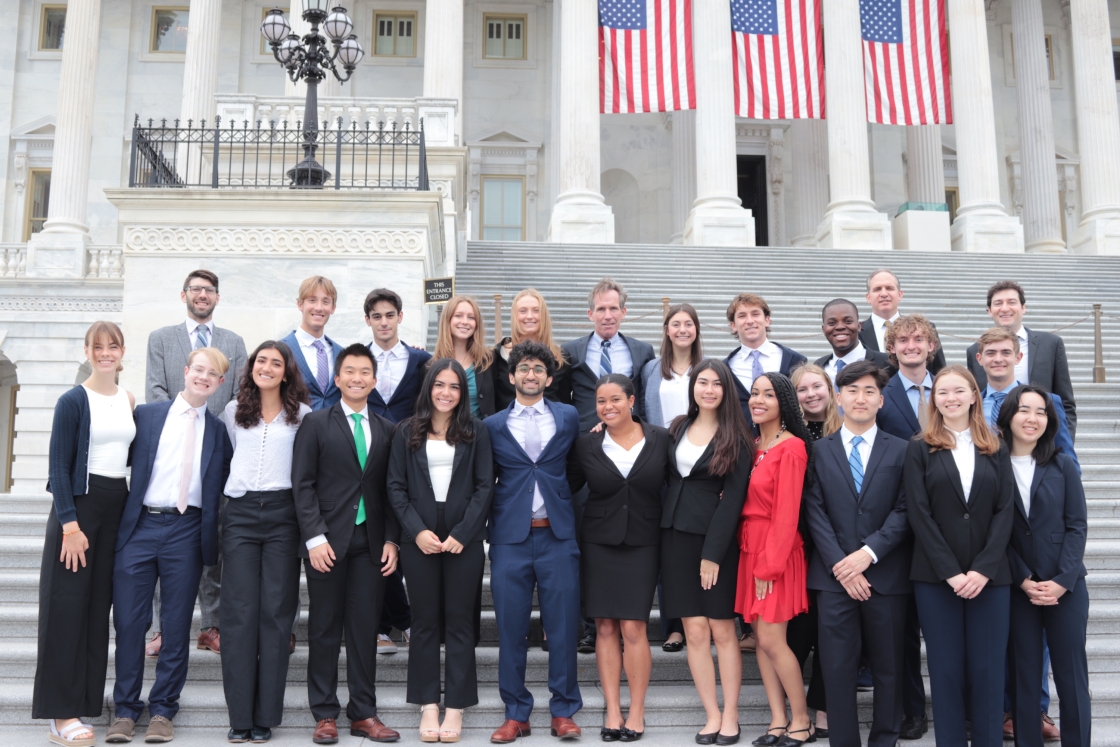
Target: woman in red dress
x,y
771,586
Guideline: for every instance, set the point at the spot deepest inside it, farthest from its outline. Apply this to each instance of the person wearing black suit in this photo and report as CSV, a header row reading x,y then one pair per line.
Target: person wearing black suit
x,y
840,325
625,466
529,319
441,473
1044,361
959,488
350,535
1048,593
860,567
748,315
884,292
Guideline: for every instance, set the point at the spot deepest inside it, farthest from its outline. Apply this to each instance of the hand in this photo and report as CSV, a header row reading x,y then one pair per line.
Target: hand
x,y
389,559
709,574
1050,590
428,542
973,585
322,557
74,546
597,427
1036,596
762,588
452,545
955,581
851,566
858,587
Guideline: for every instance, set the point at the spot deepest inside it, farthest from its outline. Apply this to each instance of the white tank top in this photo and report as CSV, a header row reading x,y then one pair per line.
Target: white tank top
x,y
111,430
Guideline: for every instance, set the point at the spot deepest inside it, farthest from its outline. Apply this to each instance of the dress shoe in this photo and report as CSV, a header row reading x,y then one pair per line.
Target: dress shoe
x,y
153,647
587,644
238,736
610,735
292,645
510,731
729,738
1050,731
260,734
767,739
385,644
629,735
372,729
326,732
747,642
913,727
822,733
210,640
672,647
788,741
160,729
1008,727
121,730
864,682
564,728
544,644
703,738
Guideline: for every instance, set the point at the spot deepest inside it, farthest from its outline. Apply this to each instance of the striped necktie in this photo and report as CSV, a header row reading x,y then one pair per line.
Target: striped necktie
x,y
856,463
605,359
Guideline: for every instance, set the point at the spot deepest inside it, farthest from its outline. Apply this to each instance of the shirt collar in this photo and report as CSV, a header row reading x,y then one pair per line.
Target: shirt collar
x,y
180,405
880,320
348,412
964,437
192,326
989,390
767,349
857,353
927,382
1022,333
306,339
600,340
868,436
539,406
397,351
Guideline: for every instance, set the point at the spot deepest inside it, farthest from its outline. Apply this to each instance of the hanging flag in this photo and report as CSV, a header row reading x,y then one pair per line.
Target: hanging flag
x,y
906,61
645,56
778,52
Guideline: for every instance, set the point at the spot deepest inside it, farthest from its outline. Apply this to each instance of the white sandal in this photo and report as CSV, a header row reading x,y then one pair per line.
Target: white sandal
x,y
452,735
430,735
63,738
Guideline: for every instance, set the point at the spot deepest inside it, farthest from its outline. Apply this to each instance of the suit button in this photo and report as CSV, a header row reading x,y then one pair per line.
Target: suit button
x,y
966,516
355,508
862,541
1028,534
624,505
860,512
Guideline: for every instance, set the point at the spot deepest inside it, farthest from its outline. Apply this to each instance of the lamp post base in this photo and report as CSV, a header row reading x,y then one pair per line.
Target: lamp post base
x,y
308,174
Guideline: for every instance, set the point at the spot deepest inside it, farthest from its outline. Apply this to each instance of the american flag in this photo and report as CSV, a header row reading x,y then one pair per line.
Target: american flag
x,y
778,51
906,61
645,56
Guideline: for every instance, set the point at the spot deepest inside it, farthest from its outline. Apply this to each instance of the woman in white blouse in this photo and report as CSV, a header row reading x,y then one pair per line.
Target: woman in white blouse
x,y
260,541
441,472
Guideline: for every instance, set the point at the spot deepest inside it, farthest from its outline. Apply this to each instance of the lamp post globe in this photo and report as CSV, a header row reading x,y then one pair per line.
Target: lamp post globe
x,y
338,25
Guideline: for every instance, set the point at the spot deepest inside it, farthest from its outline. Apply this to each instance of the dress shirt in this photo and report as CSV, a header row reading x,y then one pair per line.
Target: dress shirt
x,y
441,462
546,424
395,362
880,325
192,332
687,455
864,448
964,454
621,360
742,364
306,342
622,458
262,455
858,353
674,397
989,400
1023,466
167,472
1022,370
912,389
346,411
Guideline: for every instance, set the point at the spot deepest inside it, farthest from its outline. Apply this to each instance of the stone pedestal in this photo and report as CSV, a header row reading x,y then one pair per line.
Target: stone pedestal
x,y
993,232
921,231
848,227
683,165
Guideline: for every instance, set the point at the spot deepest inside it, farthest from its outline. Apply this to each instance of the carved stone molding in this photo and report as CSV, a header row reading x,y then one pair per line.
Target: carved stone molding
x,y
273,241
60,304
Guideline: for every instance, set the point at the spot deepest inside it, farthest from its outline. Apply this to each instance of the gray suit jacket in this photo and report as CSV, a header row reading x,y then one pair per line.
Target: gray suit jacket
x,y
168,348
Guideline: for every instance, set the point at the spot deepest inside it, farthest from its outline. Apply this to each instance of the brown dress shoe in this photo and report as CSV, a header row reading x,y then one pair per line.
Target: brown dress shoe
x,y
372,729
153,647
510,731
326,732
1008,727
1050,731
565,728
209,640
292,645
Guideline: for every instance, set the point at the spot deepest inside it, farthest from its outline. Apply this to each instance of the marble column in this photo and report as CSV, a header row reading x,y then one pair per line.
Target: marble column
x,y
718,217
443,45
923,230
810,178
200,64
851,221
683,169
1098,129
982,224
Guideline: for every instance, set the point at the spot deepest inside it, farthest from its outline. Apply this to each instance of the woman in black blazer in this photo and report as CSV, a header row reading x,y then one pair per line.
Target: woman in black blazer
x,y
460,336
709,466
959,486
1047,551
625,467
441,473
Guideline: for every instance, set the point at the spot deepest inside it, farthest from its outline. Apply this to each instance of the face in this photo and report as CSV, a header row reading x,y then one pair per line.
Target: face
x,y
607,314
764,401
355,378
708,391
446,391
201,378
105,354
750,324
1029,421
912,348
860,401
1006,310
530,378
884,294
812,393
953,397
528,313
201,297
463,322
841,327
612,405
681,330
316,309
998,360
268,369
384,320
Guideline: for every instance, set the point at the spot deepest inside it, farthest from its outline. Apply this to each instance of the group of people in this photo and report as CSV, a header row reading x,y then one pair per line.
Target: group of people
x,y
842,508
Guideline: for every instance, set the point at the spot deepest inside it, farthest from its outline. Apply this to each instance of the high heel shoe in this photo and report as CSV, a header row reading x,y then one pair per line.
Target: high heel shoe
x,y
768,739
452,735
429,735
788,741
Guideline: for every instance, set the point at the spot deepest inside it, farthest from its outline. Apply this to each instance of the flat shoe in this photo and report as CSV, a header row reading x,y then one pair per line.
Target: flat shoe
x,y
238,736
703,738
260,734
610,735
729,738
768,739
788,741
672,647
629,735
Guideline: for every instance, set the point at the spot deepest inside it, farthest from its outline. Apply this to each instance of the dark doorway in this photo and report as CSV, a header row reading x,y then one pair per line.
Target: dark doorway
x,y
752,191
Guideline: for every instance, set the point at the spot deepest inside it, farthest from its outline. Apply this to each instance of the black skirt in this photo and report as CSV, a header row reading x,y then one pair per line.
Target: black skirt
x,y
680,577
618,580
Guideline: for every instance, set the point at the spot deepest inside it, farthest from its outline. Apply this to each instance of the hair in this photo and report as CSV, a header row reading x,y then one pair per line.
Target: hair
x,y
517,335
911,324
315,283
532,350
839,302
105,330
994,335
377,295
880,271
789,410
667,344
1007,285
206,275
940,437
357,349
746,299
732,434
604,286
618,380
293,391
481,355
853,372
217,358
460,428
1044,448
832,419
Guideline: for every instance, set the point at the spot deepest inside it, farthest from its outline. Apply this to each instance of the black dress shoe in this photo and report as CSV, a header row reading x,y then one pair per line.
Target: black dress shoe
x,y
769,738
260,734
587,644
672,647
788,741
629,735
821,733
913,727
238,736
729,738
544,645
703,738
610,735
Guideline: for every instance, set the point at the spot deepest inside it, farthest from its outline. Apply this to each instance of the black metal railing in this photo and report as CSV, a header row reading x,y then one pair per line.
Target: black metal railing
x,y
227,156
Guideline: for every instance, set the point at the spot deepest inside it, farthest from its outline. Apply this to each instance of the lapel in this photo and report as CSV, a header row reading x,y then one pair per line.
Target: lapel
x,y
601,456
460,450
184,340
409,369
896,393
647,448
209,440
834,445
339,418
949,467
877,450
867,334
1039,473
701,463
508,434
304,368
1032,353
787,360
580,358
557,416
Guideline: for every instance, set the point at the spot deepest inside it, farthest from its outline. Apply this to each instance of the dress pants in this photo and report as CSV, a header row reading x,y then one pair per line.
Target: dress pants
x,y
74,608
966,645
1065,626
913,685
802,639
260,596
167,547
347,597
552,565
209,586
877,625
395,612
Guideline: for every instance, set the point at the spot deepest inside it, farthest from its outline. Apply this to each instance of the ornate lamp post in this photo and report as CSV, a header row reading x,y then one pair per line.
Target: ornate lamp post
x,y
309,59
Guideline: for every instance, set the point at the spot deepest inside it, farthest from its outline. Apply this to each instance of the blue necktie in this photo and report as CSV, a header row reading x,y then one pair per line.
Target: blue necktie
x,y
756,364
839,366
605,358
202,337
856,463
997,403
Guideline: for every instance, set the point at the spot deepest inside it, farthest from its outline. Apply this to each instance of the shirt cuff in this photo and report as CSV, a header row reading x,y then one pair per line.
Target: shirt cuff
x,y
316,541
394,544
865,548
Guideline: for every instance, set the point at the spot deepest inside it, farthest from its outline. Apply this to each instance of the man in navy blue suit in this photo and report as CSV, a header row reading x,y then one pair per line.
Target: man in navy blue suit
x,y
748,316
533,543
315,352
169,529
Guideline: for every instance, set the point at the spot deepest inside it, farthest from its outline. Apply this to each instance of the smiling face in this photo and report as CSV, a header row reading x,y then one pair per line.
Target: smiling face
x,y
385,320
998,360
200,379
463,321
953,397
607,314
764,401
1029,421
1006,310
840,325
708,391
268,369
750,324
446,391
104,355
316,308
912,348
681,330
201,298
530,378
860,401
612,405
884,294
355,380
812,393
528,312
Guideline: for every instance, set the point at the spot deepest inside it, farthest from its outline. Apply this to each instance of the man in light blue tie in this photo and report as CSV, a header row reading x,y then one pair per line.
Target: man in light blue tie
x,y
748,315
314,351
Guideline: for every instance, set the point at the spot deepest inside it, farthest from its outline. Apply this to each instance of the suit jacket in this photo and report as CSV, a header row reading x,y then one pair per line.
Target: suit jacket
x,y
484,384
842,520
403,402
168,349
952,536
328,480
560,390
1047,367
320,399
882,360
468,497
896,416
621,510
706,504
1049,543
791,359
582,379
516,475
871,342
217,451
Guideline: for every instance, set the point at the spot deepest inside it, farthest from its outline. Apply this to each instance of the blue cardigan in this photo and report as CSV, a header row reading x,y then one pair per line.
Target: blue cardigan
x,y
68,466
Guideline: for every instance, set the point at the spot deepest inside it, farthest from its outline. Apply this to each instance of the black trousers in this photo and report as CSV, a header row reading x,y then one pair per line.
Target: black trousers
x,y
443,589
801,637
74,608
913,685
347,597
395,612
259,599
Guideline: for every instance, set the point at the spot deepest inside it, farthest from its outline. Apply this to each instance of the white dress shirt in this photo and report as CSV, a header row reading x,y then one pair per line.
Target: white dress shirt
x,y
441,462
192,332
306,341
1021,368
864,449
622,458
262,455
167,472
687,455
546,424
391,365
964,454
742,364
674,397
858,353
320,539
621,360
880,326
1023,466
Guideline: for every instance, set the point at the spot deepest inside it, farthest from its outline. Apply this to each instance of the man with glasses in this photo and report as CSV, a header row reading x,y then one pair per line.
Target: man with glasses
x,y
168,349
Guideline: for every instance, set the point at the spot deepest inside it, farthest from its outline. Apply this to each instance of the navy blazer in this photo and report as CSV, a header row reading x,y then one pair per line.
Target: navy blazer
x,y
842,521
791,359
319,400
511,509
897,416
1049,544
403,402
582,379
216,454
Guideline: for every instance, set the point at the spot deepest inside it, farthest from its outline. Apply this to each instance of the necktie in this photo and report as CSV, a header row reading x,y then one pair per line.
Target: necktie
x,y
923,409
385,377
605,358
756,364
188,461
321,363
202,337
360,445
856,463
997,403
532,434
839,367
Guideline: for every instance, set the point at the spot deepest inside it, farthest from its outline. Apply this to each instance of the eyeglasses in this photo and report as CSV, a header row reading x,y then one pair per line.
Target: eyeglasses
x,y
207,372
198,290
538,370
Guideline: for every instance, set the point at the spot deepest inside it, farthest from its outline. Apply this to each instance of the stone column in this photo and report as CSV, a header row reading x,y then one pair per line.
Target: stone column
x,y
810,178
200,65
443,50
683,169
1098,129
718,217
925,183
982,224
579,215
851,221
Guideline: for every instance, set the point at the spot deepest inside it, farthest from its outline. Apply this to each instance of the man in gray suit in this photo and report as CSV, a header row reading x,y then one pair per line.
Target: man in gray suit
x,y
168,349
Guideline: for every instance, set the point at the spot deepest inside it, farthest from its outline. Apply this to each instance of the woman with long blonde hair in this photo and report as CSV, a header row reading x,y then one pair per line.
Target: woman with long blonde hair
x,y
529,320
818,400
461,336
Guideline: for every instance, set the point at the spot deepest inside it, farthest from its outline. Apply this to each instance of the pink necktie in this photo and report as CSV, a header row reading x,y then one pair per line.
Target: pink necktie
x,y
188,462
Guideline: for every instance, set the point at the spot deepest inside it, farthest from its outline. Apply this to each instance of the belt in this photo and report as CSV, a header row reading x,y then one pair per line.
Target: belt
x,y
538,523
171,510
